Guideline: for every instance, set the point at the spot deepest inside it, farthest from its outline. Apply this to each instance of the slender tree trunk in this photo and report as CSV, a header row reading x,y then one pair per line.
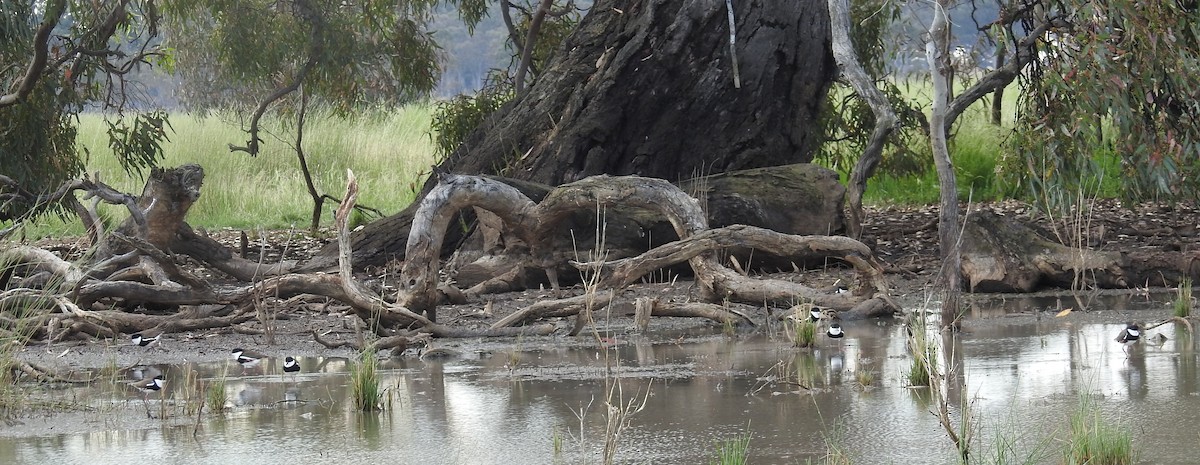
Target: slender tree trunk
x,y
998,95
535,26
885,117
317,198
948,232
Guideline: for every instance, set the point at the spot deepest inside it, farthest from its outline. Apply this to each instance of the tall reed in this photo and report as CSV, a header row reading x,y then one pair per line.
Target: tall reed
x,y
1183,298
733,451
1095,441
364,382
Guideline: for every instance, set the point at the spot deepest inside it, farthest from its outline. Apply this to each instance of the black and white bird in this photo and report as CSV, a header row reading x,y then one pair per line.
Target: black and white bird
x,y
1130,335
148,386
290,365
143,341
835,331
247,358
840,288
814,313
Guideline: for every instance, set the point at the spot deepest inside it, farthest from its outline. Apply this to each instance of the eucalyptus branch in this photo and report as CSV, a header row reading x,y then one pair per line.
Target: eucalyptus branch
x,y
513,35
535,25
314,49
94,188
1000,77
100,37
41,39
565,10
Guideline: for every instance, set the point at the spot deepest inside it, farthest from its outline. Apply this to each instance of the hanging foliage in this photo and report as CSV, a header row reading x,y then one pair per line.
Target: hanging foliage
x,y
1119,96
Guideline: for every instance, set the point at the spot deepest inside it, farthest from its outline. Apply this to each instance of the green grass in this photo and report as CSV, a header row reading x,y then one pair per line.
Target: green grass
x,y
12,398
864,377
1093,440
215,396
977,151
556,439
364,382
732,451
389,152
924,358
1183,298
805,333
20,326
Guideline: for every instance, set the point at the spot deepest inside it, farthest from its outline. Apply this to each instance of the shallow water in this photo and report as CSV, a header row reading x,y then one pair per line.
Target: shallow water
x,y
1022,379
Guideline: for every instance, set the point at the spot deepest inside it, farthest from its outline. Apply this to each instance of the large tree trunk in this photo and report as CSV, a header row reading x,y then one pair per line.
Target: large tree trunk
x,y
646,87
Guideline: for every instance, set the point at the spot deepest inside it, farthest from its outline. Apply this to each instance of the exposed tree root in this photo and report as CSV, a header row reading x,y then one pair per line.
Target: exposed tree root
x,y
136,266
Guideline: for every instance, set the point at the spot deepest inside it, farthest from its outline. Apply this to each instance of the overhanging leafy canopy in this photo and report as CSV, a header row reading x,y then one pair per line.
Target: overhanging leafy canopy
x,y
1121,83
241,53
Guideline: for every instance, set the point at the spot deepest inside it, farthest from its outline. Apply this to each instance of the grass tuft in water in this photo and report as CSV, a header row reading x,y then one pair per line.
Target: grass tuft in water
x,y
1183,298
836,452
923,358
187,394
215,396
364,381
1094,441
733,451
865,378
557,440
804,333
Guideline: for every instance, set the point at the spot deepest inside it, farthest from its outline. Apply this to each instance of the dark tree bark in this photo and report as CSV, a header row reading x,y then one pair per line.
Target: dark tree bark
x,y
646,87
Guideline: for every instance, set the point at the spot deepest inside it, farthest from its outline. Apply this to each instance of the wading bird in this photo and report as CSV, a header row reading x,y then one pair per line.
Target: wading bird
x,y
148,386
1129,336
290,365
247,358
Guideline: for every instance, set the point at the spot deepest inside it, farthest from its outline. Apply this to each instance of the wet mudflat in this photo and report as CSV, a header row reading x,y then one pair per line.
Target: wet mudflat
x,y
542,401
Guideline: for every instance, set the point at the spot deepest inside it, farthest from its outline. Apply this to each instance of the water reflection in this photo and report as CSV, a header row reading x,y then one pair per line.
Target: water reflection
x,y
1021,377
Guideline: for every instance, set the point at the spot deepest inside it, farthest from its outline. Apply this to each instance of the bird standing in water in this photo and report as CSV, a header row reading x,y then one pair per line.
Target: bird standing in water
x,y
290,365
835,331
247,358
149,386
1129,336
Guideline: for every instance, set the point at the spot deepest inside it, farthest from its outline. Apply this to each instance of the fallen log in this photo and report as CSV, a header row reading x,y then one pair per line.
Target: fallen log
x,y
1000,254
555,308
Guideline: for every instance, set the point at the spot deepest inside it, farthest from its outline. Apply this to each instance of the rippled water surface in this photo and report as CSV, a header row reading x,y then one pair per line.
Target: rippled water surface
x,y
1021,377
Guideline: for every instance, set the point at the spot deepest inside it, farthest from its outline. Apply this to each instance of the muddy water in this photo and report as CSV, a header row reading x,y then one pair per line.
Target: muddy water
x,y
1021,376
